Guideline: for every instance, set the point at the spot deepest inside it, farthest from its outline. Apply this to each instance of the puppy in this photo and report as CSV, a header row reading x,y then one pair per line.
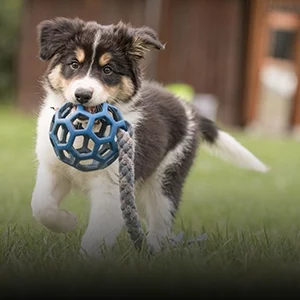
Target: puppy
x,y
90,64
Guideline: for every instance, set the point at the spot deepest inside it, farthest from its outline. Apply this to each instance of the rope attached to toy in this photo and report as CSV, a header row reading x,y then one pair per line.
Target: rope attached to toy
x,y
127,196
126,179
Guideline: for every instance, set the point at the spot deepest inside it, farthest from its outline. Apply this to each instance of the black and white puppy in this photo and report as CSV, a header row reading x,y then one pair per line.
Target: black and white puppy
x,y
90,64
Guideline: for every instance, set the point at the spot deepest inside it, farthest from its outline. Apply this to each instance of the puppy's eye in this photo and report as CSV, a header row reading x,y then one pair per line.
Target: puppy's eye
x,y
74,65
107,70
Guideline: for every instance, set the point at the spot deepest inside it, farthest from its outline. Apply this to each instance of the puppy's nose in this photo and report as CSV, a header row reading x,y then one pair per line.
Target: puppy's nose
x,y
83,95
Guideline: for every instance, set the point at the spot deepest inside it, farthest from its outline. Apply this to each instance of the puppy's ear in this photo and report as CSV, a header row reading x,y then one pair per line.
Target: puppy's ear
x,y
144,39
53,34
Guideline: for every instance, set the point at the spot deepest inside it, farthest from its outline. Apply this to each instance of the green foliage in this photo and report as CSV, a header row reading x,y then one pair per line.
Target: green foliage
x,y
9,39
182,90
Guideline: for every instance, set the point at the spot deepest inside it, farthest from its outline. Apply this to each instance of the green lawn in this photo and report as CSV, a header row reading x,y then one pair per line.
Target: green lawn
x,y
252,220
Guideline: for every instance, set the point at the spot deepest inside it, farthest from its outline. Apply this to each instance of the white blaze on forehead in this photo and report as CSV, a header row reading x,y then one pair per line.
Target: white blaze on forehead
x,y
100,95
95,44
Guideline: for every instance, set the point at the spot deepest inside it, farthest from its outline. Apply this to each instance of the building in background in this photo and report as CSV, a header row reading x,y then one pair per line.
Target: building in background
x,y
272,95
243,53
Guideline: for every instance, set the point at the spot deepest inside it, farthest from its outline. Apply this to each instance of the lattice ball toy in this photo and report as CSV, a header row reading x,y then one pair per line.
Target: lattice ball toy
x,y
86,140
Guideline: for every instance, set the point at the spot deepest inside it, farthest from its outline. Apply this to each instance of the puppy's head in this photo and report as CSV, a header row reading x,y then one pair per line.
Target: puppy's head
x,y
91,63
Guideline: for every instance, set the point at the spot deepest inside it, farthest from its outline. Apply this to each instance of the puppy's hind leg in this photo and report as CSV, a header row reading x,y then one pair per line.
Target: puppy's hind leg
x,y
157,210
162,194
49,191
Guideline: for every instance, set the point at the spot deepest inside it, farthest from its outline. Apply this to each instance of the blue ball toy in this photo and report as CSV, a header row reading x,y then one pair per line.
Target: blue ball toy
x,y
86,140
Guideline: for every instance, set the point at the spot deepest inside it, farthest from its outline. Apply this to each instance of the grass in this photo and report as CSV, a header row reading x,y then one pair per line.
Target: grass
x,y
252,221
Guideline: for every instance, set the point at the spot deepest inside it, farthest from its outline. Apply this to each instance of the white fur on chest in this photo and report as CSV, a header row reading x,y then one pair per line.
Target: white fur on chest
x,y
46,156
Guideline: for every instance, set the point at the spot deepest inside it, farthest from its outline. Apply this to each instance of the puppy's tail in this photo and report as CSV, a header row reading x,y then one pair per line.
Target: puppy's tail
x,y
223,145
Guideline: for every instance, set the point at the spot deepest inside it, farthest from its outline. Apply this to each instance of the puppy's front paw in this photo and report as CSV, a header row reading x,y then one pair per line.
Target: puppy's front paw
x,y
68,221
59,221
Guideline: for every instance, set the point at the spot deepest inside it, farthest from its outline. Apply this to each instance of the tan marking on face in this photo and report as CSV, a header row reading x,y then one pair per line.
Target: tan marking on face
x,y
80,55
120,92
57,81
104,59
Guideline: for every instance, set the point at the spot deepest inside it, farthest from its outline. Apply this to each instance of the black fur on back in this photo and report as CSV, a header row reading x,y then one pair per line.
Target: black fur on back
x,y
163,127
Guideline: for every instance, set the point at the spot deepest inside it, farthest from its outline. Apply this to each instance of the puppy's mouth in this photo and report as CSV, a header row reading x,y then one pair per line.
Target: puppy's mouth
x,y
90,109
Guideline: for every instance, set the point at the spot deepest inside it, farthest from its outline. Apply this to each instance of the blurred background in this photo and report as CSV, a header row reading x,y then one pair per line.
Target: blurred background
x,y
238,60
